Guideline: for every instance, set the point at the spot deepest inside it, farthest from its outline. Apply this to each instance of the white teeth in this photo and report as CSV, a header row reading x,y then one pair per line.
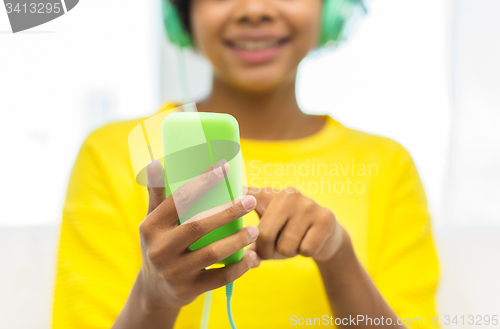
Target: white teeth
x,y
255,45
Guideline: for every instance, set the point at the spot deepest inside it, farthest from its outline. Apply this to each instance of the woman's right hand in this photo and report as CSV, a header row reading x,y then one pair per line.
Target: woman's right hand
x,y
172,275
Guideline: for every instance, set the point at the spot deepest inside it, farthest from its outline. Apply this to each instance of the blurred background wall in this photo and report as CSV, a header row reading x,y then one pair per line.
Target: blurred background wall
x,y
470,234
425,73
58,81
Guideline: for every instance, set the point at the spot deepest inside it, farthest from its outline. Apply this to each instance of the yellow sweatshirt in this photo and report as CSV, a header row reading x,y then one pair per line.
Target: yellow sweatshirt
x,y
370,182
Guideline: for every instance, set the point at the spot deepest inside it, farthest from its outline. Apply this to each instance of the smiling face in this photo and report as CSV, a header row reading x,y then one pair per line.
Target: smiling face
x,y
255,45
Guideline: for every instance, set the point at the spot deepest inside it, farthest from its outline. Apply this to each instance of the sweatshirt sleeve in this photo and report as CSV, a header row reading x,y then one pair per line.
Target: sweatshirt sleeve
x,y
404,262
99,254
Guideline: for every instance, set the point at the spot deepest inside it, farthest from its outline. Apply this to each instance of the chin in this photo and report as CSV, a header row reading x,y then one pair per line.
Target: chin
x,y
259,86
262,81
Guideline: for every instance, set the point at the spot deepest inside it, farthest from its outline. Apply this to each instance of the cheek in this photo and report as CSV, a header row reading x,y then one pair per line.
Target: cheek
x,y
207,25
305,21
201,35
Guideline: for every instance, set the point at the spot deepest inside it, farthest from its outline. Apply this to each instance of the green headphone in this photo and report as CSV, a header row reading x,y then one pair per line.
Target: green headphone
x,y
335,16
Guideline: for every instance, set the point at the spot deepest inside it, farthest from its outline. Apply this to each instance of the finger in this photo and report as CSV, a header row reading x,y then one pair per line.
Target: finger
x,y
257,260
314,239
218,277
323,242
264,196
223,248
291,236
156,184
187,194
271,223
275,256
197,226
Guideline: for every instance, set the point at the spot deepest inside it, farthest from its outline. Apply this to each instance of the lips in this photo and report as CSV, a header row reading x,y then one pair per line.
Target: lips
x,y
255,49
253,45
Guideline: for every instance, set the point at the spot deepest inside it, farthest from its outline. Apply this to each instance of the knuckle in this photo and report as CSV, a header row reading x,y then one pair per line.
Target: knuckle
x,y
236,210
195,227
290,237
286,250
284,194
233,211
155,256
326,216
265,236
226,277
331,215
309,205
142,228
293,192
245,237
326,212
268,193
145,229
208,177
211,254
183,194
306,250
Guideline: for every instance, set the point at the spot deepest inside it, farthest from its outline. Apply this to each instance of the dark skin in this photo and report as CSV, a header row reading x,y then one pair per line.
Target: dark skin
x,y
262,98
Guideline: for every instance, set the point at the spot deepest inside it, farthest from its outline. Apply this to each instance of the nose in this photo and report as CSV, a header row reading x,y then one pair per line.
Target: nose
x,y
254,12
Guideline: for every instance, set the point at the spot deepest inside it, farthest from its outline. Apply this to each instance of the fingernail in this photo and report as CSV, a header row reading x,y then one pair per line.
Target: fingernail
x,y
248,202
252,255
254,231
218,168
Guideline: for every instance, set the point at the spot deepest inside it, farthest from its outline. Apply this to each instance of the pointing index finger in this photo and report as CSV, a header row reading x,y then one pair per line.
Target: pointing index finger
x,y
263,196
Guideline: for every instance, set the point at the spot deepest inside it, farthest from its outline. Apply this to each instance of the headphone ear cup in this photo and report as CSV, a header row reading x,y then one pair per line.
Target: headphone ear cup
x,y
334,17
174,28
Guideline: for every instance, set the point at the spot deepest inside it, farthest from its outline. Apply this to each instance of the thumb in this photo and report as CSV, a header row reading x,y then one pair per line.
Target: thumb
x,y
156,184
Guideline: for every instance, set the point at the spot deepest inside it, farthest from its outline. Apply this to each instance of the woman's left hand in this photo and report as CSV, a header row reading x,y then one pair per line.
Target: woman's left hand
x,y
292,224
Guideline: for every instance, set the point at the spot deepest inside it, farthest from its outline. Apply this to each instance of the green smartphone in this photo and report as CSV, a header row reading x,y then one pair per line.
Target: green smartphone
x,y
192,142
